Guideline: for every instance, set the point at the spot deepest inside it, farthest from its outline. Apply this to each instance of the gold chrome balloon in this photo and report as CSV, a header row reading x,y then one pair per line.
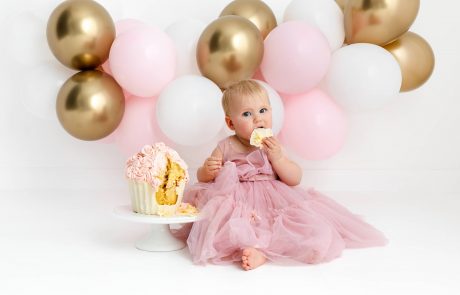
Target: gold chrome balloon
x,y
229,50
90,105
341,3
378,21
256,11
80,34
415,57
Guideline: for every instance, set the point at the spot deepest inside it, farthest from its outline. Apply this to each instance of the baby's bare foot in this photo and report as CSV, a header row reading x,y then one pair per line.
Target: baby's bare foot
x,y
252,258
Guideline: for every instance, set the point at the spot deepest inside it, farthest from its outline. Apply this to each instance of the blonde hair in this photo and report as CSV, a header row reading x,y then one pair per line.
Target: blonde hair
x,y
246,88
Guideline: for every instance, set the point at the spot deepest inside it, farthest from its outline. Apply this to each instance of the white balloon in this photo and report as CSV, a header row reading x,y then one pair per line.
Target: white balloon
x,y
185,34
113,7
27,43
189,110
42,84
42,9
326,15
277,107
362,76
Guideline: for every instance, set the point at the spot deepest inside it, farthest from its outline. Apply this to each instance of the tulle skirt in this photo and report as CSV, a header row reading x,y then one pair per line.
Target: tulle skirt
x,y
285,223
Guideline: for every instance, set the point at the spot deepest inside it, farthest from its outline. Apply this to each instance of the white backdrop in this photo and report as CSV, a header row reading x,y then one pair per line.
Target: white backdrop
x,y
400,169
412,143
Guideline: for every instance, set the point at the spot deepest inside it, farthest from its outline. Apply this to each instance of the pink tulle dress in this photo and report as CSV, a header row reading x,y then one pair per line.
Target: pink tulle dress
x,y
246,206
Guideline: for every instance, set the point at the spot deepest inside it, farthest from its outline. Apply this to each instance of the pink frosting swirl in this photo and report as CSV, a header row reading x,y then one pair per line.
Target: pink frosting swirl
x,y
150,163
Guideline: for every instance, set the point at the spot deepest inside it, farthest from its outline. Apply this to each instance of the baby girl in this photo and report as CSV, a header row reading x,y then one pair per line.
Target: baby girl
x,y
252,209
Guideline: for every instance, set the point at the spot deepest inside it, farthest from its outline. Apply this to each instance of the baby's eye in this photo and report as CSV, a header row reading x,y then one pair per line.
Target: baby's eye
x,y
246,114
263,110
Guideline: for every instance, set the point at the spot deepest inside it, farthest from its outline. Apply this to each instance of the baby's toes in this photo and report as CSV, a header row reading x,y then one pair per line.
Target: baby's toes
x,y
244,264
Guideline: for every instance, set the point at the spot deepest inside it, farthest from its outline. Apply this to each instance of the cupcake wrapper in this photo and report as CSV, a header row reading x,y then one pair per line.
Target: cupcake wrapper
x,y
143,199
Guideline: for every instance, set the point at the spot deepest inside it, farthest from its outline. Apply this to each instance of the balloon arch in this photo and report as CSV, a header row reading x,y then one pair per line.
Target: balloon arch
x,y
140,84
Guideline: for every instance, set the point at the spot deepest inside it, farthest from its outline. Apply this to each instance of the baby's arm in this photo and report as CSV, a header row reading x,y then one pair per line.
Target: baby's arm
x,y
211,167
288,171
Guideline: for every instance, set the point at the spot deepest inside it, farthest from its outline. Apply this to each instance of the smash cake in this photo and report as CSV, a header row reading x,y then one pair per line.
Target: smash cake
x,y
258,134
157,176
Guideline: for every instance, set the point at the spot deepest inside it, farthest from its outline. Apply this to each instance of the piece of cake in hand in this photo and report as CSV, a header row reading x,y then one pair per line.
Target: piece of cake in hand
x,y
157,176
258,135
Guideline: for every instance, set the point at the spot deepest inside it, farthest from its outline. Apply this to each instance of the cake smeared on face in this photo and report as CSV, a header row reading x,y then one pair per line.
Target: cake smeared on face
x,y
166,193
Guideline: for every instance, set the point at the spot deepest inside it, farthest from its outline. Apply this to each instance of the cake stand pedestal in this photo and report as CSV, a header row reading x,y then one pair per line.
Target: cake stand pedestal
x,y
159,238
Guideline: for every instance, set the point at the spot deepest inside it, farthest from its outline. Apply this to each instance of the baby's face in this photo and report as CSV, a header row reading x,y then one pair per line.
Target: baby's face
x,y
248,113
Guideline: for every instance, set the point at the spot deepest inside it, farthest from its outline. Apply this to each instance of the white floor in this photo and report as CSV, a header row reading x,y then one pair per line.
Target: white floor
x,y
69,242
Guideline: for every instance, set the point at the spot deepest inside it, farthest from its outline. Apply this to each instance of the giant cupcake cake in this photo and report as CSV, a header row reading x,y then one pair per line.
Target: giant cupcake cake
x,y
157,176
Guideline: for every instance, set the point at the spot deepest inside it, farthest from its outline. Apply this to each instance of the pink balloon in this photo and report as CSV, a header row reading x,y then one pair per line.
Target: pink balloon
x,y
112,137
138,126
258,75
296,57
125,25
109,139
314,127
127,94
143,61
122,26
106,67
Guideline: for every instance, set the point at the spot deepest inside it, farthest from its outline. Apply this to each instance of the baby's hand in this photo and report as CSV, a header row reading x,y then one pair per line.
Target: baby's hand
x,y
212,166
272,148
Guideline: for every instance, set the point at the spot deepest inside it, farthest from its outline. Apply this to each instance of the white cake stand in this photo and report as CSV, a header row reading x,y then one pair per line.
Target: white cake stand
x,y
160,237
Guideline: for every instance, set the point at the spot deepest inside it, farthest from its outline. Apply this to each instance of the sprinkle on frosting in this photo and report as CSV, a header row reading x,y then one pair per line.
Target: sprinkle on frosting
x,y
150,164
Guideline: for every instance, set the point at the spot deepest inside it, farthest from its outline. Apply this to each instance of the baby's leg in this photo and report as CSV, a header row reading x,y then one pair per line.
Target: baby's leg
x,y
252,258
